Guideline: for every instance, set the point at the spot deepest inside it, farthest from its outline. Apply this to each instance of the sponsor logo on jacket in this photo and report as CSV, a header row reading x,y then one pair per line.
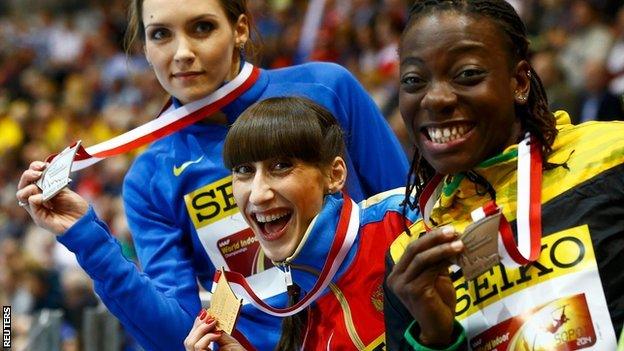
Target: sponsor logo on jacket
x,y
211,202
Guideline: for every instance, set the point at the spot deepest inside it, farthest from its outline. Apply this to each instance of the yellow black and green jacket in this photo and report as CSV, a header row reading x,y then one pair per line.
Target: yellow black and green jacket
x,y
583,195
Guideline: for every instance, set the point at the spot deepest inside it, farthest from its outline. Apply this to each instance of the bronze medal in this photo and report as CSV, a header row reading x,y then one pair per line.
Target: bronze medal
x,y
481,241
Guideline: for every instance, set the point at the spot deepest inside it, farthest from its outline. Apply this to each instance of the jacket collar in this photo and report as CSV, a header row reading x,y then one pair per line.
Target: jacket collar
x,y
313,250
240,104
460,195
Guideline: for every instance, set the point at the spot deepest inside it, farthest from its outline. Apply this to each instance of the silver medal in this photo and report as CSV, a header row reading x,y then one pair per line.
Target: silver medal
x,y
56,176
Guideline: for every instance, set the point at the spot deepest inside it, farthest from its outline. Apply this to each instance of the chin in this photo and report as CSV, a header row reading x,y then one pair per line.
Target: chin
x,y
451,165
275,256
272,254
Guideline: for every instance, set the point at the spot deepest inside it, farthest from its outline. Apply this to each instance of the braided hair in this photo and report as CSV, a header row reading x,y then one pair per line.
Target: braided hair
x,y
535,117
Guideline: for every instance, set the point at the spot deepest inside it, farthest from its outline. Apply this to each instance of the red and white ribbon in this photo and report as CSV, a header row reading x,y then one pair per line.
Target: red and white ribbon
x,y
170,121
529,206
528,211
346,233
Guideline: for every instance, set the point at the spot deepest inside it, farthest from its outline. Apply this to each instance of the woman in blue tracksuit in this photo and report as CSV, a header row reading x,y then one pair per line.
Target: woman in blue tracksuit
x,y
178,195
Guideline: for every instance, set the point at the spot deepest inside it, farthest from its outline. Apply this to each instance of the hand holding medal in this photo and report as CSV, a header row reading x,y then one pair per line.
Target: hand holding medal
x,y
421,281
217,323
42,192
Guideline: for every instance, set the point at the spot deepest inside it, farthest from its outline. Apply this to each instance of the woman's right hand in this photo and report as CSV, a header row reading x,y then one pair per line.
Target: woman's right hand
x,y
57,214
421,281
204,332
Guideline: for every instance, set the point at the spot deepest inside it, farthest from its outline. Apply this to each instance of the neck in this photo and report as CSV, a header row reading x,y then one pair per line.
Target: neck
x,y
218,117
309,258
235,68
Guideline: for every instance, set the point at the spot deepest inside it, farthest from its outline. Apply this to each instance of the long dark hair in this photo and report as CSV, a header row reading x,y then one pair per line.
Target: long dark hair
x,y
535,117
285,127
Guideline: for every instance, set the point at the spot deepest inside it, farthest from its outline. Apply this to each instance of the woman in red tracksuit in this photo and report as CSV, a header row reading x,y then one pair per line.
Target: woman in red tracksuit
x,y
287,181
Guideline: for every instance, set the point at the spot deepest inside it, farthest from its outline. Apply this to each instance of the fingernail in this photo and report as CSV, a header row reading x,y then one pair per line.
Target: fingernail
x,y
209,320
38,173
202,314
457,245
448,229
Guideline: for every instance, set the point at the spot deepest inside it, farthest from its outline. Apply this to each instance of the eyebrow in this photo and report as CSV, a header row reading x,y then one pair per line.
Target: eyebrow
x,y
458,48
196,18
411,60
465,46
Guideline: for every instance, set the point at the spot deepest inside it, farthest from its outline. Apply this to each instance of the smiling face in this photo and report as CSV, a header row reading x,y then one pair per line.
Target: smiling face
x,y
279,198
191,45
458,89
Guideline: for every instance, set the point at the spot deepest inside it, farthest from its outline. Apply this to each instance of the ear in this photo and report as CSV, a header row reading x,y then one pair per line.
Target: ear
x,y
521,85
241,31
337,175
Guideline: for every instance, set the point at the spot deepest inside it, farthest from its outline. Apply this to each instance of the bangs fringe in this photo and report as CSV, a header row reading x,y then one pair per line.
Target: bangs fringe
x,y
265,136
292,127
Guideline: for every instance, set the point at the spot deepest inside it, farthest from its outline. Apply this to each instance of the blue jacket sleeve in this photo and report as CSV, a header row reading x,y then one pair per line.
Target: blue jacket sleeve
x,y
376,153
165,256
159,320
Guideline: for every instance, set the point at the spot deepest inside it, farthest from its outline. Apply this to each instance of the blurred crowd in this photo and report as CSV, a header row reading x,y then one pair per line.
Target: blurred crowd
x,y
64,76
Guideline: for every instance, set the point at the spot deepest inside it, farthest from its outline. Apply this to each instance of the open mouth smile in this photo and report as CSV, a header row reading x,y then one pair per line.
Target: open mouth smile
x,y
448,133
272,225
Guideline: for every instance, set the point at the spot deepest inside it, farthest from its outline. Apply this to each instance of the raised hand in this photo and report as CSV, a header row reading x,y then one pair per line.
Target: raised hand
x,y
204,332
56,214
421,281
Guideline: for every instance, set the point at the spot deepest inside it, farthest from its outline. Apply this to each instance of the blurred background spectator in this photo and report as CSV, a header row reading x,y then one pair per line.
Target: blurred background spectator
x,y
65,76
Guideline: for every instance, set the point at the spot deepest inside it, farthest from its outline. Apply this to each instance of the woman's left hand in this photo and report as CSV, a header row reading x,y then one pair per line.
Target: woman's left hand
x,y
57,214
204,332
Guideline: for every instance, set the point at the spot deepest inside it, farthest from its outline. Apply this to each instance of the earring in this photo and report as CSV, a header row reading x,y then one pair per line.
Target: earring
x,y
241,50
521,98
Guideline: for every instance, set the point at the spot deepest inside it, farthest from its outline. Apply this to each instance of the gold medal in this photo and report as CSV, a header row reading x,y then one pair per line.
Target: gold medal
x,y
224,306
481,241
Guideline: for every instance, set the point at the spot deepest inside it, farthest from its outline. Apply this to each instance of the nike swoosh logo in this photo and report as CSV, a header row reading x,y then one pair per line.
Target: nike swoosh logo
x,y
178,170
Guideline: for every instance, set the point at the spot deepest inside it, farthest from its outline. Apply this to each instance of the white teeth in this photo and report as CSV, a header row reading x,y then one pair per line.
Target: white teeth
x,y
447,134
271,217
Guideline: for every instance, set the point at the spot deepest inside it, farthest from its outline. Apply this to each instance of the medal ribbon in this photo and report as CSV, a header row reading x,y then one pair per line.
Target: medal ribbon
x,y
168,122
528,212
346,233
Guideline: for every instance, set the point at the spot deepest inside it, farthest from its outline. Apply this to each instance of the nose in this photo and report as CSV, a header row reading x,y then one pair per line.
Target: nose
x,y
261,190
184,52
439,98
